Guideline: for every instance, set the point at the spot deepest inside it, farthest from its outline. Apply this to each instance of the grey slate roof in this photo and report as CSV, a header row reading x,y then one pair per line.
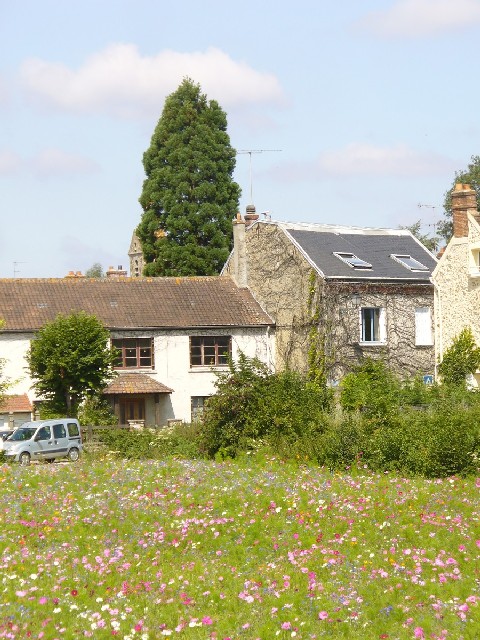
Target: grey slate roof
x,y
319,242
177,303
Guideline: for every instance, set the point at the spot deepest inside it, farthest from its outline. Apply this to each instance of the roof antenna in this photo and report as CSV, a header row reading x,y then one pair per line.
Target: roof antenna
x,y
250,152
15,270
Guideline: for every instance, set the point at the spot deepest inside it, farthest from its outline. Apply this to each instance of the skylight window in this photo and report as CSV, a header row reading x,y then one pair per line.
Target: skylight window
x,y
409,262
352,260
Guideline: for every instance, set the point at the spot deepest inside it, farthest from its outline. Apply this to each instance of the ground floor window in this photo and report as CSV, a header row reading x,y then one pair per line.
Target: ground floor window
x,y
131,409
198,404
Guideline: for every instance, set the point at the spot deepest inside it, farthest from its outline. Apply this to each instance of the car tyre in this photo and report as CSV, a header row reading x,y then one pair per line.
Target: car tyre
x,y
24,459
73,454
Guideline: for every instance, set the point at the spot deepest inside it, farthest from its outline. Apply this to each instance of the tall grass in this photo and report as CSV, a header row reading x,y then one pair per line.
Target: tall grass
x,y
249,549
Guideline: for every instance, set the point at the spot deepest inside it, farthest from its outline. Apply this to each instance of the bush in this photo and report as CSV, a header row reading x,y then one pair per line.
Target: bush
x,y
155,444
461,359
97,411
372,389
252,404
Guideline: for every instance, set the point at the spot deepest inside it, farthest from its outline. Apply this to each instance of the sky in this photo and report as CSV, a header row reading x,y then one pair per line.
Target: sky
x,y
356,112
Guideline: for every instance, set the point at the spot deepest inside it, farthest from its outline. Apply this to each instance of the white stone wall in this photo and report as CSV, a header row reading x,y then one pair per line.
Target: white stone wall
x,y
457,290
172,365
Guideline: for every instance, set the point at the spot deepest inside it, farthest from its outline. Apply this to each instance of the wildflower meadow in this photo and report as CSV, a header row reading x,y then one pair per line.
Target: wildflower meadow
x,y
244,549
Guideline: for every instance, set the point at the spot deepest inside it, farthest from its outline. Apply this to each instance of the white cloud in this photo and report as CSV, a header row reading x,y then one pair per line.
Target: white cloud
x,y
10,162
119,81
47,163
365,159
55,162
416,18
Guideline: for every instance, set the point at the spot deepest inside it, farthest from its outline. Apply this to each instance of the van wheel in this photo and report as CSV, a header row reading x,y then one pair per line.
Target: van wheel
x,y
73,455
24,459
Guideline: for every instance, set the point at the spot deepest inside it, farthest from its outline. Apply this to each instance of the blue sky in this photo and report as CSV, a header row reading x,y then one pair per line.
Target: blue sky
x,y
372,104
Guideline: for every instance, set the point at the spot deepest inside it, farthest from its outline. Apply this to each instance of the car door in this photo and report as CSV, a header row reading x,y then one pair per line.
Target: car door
x,y
43,445
60,440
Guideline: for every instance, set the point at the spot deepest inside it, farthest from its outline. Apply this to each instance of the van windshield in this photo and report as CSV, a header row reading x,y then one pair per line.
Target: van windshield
x,y
22,433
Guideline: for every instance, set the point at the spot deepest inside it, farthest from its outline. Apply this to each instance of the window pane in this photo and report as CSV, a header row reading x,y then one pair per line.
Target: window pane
x,y
370,325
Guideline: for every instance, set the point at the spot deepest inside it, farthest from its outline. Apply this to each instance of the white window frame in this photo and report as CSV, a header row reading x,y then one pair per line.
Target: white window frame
x,y
353,261
404,259
381,333
423,327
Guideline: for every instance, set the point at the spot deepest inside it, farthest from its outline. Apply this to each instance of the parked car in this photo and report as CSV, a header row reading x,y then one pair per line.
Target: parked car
x,y
4,435
45,440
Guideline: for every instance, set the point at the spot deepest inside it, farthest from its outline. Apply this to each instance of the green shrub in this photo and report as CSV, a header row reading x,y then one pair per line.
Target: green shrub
x,y
253,404
179,441
374,390
461,359
97,411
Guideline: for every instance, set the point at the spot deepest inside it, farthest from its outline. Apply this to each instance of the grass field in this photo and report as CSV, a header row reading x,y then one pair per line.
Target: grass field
x,y
249,549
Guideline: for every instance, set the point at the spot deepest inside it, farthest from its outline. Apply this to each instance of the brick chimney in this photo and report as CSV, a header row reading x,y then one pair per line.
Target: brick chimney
x,y
251,214
116,273
239,256
464,200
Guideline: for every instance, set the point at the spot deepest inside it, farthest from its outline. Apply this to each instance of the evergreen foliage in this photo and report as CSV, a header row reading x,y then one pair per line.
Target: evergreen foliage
x,y
470,176
460,359
3,383
189,198
70,359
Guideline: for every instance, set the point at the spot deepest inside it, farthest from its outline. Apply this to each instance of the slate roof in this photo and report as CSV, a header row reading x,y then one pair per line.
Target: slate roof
x,y
135,383
15,404
375,246
131,303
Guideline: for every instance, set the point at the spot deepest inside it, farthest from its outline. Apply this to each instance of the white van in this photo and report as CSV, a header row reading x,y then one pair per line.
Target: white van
x,y
45,440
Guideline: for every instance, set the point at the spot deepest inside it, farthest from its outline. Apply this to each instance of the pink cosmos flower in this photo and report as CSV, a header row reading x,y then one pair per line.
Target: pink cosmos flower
x,y
323,615
207,620
418,632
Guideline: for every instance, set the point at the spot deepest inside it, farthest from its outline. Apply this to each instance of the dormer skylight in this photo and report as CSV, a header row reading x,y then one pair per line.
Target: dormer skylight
x,y
409,262
352,260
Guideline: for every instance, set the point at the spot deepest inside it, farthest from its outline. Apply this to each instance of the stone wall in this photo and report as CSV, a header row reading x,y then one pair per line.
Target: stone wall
x,y
291,290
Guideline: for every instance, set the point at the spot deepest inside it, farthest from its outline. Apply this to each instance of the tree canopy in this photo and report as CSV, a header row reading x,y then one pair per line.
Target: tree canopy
x,y
3,383
469,176
70,359
460,359
95,271
189,197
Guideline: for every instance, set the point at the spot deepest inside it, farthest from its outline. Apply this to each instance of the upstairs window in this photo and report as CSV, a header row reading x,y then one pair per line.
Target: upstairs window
x,y
352,260
135,353
423,327
210,351
409,262
373,324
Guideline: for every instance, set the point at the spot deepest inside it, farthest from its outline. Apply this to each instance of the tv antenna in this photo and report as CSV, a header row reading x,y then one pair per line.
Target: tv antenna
x,y
15,270
250,152
432,207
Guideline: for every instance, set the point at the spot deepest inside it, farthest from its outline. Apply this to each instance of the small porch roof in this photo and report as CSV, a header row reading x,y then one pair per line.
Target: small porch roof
x,y
135,383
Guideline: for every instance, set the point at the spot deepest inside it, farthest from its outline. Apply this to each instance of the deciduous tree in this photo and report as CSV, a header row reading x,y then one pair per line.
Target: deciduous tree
x,y
69,359
189,197
470,176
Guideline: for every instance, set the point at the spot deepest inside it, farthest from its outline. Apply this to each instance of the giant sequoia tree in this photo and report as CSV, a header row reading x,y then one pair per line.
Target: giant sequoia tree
x,y
188,197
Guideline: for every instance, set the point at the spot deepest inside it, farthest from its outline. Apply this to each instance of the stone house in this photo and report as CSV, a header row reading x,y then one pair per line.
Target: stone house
x,y
14,411
339,294
172,334
456,277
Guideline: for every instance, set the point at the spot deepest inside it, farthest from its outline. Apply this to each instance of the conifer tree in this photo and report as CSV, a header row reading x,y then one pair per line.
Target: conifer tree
x,y
189,197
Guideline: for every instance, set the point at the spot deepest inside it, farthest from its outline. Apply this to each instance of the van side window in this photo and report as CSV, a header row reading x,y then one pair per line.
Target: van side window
x,y
59,431
43,433
73,429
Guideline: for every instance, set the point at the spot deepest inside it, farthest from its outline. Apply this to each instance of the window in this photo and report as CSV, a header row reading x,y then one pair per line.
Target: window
x,y
423,327
135,353
198,404
43,434
409,262
210,351
373,324
131,409
59,431
352,260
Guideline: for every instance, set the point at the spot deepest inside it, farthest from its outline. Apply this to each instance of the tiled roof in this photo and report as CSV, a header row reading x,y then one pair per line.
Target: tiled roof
x,y
135,383
15,404
130,303
375,246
